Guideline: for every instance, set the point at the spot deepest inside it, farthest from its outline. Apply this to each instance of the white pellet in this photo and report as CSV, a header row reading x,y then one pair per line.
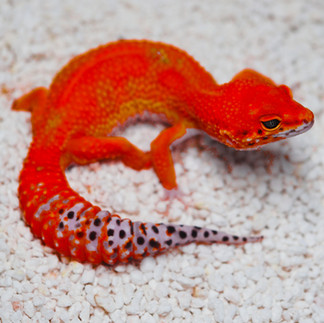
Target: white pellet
x,y
134,306
106,302
161,290
231,295
197,302
186,282
87,277
47,313
38,300
18,274
216,282
152,307
192,272
276,313
29,309
75,309
137,277
164,307
118,316
147,318
148,264
64,301
218,309
85,312
127,292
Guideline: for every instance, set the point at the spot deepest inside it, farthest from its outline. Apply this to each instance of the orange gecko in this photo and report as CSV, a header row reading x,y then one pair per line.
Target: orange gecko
x,y
76,119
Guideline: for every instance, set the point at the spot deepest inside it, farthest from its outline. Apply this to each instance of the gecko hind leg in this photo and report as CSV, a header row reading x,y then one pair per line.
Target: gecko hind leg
x,y
87,149
33,99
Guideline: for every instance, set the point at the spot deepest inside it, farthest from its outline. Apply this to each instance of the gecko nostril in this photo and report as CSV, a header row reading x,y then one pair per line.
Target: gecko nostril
x,y
309,116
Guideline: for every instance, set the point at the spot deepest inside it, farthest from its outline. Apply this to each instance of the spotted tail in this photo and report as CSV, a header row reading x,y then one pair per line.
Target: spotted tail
x,y
88,234
74,227
137,240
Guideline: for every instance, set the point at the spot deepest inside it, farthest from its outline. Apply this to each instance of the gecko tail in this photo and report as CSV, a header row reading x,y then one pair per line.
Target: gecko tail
x,y
160,237
129,240
86,233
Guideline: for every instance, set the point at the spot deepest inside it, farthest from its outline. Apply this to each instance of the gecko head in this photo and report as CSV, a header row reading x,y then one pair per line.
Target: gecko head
x,y
259,112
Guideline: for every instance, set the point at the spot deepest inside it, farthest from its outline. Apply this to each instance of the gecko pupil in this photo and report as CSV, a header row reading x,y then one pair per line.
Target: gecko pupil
x,y
271,124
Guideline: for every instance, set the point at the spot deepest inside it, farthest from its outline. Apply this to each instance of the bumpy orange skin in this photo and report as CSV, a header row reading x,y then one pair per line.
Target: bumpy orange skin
x,y
96,92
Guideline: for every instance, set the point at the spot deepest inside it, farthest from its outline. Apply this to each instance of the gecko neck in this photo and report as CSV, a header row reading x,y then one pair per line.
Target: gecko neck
x,y
209,108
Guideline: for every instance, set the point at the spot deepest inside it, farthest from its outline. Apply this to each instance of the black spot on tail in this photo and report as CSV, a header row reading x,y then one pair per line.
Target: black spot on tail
x,y
97,222
169,242
128,245
154,244
122,234
155,229
171,229
194,233
142,227
93,235
140,240
110,232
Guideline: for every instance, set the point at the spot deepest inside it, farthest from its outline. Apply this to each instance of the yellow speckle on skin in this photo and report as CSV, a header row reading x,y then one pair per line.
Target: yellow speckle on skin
x,y
54,122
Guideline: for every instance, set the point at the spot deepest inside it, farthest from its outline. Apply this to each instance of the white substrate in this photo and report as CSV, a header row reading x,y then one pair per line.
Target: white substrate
x,y
278,280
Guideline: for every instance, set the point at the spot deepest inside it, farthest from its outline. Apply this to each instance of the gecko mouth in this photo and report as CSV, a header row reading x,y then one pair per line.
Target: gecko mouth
x,y
294,132
255,143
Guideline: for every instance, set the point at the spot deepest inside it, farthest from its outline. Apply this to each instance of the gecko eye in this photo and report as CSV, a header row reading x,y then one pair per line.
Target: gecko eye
x,y
271,124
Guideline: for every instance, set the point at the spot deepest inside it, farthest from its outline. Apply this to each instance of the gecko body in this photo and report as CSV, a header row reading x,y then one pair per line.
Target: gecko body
x,y
74,121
